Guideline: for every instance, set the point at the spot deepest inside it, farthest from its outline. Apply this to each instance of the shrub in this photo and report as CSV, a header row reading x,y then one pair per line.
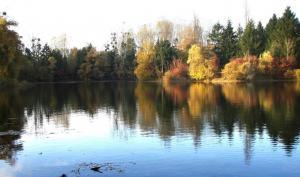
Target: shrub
x,y
204,71
289,74
276,68
297,74
281,67
241,68
265,64
178,71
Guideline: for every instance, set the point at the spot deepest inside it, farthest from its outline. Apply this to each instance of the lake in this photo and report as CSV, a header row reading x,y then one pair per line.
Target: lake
x,y
130,129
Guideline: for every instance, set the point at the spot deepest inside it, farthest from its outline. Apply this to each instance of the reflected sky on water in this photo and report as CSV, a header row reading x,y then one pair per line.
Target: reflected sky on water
x,y
150,129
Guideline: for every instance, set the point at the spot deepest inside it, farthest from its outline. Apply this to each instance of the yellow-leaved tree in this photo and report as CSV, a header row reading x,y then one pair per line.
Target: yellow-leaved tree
x,y
145,69
201,66
265,63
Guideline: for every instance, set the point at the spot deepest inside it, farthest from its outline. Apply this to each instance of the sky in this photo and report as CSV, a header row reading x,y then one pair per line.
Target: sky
x,y
92,21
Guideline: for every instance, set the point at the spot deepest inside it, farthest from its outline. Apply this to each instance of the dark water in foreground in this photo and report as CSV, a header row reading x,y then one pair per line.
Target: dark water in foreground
x,y
150,130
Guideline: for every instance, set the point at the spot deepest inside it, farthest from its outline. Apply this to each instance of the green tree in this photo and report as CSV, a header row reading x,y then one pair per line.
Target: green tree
x,y
165,52
260,39
112,56
86,70
216,39
230,44
271,35
248,42
52,66
288,34
225,42
239,34
39,56
72,65
10,51
126,62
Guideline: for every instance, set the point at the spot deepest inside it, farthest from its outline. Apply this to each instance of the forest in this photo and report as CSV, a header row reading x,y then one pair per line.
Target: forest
x,y
165,51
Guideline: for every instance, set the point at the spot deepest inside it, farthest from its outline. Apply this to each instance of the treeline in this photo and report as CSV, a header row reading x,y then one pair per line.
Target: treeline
x,y
166,51
46,64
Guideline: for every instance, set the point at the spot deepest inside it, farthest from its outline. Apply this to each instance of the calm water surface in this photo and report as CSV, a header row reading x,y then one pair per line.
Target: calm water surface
x,y
151,130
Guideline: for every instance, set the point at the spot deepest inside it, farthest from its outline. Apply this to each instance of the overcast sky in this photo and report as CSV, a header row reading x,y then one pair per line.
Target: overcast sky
x,y
92,21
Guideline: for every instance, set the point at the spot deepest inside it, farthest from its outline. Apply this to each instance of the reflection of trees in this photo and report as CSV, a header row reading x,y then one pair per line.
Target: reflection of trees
x,y
240,94
177,92
202,98
11,118
126,103
9,145
168,109
282,109
273,107
54,103
146,99
252,108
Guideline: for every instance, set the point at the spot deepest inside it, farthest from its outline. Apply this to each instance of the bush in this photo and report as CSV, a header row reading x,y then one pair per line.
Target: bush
x,y
276,68
145,71
265,64
241,68
297,74
204,71
289,74
282,66
178,71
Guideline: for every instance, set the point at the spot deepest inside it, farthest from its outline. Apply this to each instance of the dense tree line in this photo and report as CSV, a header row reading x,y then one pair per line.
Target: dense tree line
x,y
167,51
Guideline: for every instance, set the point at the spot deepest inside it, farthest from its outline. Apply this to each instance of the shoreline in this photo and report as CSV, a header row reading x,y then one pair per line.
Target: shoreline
x,y
214,81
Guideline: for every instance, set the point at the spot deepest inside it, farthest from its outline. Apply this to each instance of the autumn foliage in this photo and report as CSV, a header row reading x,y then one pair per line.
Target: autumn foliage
x,y
283,68
178,71
241,68
145,69
266,66
203,64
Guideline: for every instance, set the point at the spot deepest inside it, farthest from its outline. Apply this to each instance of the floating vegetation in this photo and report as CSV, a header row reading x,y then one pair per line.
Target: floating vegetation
x,y
84,168
10,133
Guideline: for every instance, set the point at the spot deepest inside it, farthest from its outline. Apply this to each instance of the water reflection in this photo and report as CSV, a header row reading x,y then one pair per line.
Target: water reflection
x,y
165,111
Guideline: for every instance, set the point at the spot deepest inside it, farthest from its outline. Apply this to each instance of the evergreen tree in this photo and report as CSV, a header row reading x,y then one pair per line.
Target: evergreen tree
x,y
248,40
260,39
165,52
225,42
239,34
230,43
270,34
288,34
216,39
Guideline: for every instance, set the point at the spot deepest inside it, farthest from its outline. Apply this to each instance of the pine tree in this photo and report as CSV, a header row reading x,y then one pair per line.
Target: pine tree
x,y
270,33
225,42
230,43
248,39
288,34
260,39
